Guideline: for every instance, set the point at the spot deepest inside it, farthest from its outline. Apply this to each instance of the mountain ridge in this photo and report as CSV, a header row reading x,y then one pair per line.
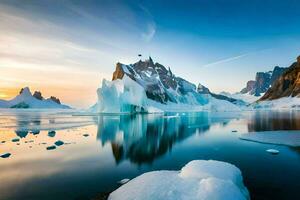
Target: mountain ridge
x,y
286,85
25,99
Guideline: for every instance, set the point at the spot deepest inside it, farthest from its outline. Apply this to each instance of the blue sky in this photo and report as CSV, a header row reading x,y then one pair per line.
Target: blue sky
x,y
65,48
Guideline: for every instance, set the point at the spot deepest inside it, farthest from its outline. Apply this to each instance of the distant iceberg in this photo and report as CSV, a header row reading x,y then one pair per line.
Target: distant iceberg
x,y
199,179
26,100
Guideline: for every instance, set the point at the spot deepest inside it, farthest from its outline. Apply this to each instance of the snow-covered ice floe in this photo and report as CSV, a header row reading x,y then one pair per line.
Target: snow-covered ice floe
x,y
288,138
199,179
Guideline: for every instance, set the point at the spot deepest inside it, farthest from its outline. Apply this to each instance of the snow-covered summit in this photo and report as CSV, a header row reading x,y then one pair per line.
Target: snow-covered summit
x,y
25,99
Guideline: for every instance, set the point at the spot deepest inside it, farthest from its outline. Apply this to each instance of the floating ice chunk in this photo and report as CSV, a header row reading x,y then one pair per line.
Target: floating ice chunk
x,y
51,147
199,179
123,181
59,143
5,155
289,138
51,133
15,140
272,151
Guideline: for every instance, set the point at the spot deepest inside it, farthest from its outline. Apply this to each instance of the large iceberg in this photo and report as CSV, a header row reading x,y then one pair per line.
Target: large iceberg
x,y
199,179
148,87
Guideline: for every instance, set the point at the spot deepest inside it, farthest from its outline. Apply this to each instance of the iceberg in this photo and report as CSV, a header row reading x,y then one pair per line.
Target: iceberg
x,y
149,87
199,179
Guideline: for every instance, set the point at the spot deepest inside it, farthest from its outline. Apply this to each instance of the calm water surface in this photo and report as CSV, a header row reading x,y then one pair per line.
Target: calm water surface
x,y
99,151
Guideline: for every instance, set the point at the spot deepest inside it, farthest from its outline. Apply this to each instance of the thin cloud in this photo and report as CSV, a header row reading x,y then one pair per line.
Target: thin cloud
x,y
151,26
234,58
151,30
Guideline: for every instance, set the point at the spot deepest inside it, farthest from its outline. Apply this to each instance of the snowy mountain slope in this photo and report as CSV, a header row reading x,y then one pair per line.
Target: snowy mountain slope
x,y
149,87
26,100
222,96
246,98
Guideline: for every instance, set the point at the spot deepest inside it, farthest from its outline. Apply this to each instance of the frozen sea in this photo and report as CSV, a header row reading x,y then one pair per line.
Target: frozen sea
x,y
100,151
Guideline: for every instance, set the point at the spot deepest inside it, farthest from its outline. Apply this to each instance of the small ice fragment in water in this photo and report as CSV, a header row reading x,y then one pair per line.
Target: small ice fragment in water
x,y
123,181
5,155
51,133
59,143
51,147
273,151
15,140
86,135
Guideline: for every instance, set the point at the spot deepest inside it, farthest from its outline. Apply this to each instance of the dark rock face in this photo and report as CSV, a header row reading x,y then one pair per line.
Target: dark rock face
x,y
202,89
38,95
287,84
250,87
56,100
155,78
263,81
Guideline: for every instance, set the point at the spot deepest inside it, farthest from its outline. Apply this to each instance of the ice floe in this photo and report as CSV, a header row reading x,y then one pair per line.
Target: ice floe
x,y
272,151
199,179
289,138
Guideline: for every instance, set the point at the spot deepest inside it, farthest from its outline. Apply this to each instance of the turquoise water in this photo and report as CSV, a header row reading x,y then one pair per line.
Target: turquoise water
x,y
99,151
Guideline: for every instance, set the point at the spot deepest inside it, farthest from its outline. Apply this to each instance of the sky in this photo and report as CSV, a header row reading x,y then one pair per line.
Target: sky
x,y
65,48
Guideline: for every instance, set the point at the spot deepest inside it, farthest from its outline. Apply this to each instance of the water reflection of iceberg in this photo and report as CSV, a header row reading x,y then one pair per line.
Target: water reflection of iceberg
x,y
142,138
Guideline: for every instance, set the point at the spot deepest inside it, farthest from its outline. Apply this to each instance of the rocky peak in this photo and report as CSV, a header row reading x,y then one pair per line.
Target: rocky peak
x,y
249,87
155,78
263,81
38,95
287,84
25,91
118,73
202,89
56,100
